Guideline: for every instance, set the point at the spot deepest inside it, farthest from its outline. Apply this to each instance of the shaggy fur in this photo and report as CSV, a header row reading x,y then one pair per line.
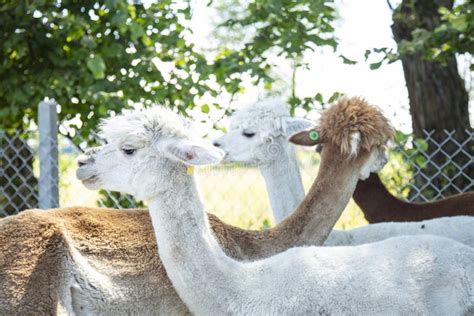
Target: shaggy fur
x,y
149,121
425,275
351,115
379,205
346,118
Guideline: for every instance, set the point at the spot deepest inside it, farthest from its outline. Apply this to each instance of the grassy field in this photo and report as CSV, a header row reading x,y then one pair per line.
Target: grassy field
x,y
237,195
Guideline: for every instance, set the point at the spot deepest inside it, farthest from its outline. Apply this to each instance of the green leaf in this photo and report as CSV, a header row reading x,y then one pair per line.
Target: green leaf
x,y
267,85
146,40
205,108
420,161
97,66
136,31
319,97
266,224
88,42
444,11
375,66
421,144
460,23
400,138
336,95
347,61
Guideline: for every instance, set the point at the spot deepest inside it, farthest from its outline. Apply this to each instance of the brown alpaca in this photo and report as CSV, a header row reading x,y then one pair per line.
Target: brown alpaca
x,y
95,261
379,205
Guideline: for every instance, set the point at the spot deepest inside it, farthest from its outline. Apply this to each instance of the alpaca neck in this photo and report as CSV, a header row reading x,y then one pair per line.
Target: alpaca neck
x,y
284,185
192,256
314,218
379,205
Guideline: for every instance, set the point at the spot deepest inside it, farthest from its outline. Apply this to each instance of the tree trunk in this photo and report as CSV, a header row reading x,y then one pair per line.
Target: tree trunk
x,y
438,99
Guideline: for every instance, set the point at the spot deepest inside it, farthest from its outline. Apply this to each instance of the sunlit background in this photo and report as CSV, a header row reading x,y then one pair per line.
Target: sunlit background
x,y
362,25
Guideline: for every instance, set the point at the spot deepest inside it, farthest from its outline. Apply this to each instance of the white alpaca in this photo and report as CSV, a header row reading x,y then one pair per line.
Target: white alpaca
x,y
148,154
258,135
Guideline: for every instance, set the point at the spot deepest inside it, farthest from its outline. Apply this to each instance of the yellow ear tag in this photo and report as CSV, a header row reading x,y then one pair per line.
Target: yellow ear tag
x,y
190,170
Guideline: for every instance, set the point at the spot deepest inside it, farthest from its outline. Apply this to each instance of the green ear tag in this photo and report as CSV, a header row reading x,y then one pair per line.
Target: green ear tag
x,y
313,135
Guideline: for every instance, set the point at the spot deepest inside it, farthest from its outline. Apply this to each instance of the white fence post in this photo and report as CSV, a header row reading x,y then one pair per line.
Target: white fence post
x,y
48,155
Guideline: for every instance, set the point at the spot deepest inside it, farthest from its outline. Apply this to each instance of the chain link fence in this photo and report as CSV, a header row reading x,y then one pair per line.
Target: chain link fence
x,y
439,165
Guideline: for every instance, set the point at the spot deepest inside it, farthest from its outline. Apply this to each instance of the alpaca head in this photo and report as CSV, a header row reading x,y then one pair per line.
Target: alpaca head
x,y
258,133
355,129
144,150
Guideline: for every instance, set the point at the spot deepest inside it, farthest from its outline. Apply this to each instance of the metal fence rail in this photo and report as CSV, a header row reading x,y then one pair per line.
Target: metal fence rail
x,y
37,170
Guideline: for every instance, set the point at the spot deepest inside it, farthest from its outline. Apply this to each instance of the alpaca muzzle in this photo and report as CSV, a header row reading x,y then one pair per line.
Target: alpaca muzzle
x,y
86,158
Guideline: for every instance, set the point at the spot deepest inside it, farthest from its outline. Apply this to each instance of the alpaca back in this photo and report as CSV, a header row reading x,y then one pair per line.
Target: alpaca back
x,y
459,228
96,260
422,275
32,258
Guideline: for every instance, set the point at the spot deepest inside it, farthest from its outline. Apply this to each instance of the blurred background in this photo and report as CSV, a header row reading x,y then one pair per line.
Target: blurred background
x,y
85,60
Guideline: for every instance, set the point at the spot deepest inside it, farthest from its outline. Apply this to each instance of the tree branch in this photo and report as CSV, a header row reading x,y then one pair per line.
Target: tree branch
x,y
390,5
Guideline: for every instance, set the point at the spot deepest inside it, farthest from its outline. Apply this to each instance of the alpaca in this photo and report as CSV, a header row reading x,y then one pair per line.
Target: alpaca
x,y
149,155
259,135
379,205
256,131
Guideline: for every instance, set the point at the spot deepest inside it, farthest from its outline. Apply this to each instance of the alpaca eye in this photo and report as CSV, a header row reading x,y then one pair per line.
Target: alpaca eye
x,y
128,151
248,134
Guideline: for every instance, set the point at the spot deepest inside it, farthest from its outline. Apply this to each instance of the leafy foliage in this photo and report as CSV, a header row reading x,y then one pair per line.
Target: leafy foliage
x,y
454,35
287,28
310,103
406,159
292,27
89,57
93,58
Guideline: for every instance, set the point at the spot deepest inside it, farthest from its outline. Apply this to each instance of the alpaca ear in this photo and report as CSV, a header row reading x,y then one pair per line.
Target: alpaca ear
x,y
194,153
309,137
296,124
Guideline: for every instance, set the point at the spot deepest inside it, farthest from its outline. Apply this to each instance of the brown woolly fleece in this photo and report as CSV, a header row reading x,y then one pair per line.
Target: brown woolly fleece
x,y
37,253
379,205
351,115
113,254
346,117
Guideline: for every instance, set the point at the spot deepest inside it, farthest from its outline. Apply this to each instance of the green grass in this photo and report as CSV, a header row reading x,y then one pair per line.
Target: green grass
x,y
238,196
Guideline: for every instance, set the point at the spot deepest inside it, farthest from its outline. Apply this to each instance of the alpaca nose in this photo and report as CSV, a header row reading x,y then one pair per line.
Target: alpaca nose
x,y
83,160
217,144
86,158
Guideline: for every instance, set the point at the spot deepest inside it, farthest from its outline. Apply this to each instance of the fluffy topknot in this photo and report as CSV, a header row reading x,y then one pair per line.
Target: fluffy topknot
x,y
350,116
144,125
266,116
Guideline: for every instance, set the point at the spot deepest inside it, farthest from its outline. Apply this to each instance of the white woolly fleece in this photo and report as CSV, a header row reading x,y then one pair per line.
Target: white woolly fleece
x,y
268,116
144,125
